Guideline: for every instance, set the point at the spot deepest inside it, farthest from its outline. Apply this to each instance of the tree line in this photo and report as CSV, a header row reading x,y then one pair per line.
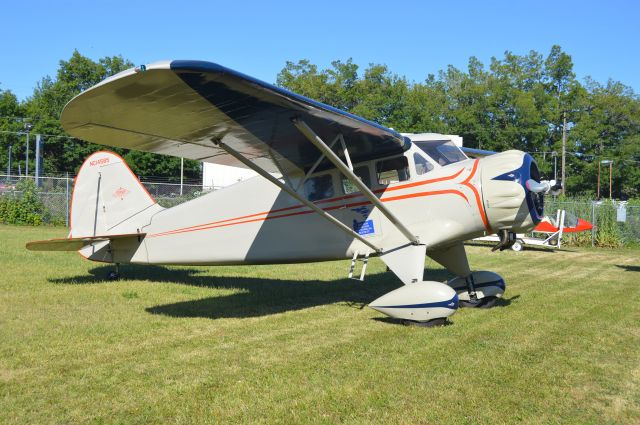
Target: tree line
x,y
516,102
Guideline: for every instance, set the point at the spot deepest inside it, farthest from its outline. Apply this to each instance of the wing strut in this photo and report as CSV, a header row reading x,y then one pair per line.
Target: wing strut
x,y
319,160
344,169
295,195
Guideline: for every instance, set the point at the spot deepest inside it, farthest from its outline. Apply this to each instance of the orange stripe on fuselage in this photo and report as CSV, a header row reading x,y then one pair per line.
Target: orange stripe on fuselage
x,y
226,223
232,221
477,195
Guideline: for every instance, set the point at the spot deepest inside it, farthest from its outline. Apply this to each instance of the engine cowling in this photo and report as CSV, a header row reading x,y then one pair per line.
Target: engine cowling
x,y
508,202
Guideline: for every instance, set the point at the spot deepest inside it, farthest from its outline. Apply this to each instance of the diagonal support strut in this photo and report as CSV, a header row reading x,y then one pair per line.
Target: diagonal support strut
x,y
322,213
344,169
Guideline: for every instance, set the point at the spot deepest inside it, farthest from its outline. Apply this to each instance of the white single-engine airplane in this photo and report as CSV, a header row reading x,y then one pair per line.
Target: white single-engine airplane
x,y
333,186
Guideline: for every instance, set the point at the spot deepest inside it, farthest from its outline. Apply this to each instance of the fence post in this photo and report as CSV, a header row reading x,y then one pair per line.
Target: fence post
x,y
593,222
66,221
9,166
38,159
181,174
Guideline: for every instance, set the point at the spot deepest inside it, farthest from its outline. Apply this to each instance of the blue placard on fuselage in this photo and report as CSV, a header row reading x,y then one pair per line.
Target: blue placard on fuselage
x,y
364,227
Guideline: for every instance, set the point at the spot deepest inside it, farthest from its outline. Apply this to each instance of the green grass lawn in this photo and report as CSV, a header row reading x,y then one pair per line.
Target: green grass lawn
x,y
296,344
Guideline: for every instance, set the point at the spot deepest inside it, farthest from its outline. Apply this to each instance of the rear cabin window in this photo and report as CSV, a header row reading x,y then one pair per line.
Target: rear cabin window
x,y
422,165
363,174
392,170
319,187
444,152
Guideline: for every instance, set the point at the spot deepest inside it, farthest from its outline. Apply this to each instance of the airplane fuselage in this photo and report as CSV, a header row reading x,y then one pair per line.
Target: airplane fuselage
x,y
254,222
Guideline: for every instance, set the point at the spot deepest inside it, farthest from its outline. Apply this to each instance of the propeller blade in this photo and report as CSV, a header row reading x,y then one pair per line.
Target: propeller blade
x,y
538,187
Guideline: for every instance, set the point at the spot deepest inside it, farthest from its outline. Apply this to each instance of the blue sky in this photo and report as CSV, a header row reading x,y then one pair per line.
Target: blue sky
x,y
414,38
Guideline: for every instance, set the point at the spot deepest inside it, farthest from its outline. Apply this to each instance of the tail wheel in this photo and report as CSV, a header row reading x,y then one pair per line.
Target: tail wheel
x,y
113,275
517,246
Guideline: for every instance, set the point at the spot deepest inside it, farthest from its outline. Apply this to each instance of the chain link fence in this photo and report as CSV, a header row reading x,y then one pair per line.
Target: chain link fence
x,y
55,193
615,223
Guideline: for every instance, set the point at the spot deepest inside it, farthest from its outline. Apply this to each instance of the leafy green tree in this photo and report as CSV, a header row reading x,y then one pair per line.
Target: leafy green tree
x,y
63,153
608,127
11,122
519,101
425,108
466,104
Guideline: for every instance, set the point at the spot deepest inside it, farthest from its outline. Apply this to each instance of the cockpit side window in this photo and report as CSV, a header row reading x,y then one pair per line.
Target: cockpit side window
x,y
319,187
444,152
392,170
363,174
422,165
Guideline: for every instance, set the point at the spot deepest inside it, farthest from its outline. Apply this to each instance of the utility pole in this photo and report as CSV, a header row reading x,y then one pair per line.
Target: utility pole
x,y
27,128
610,180
66,217
26,161
181,174
9,163
598,193
608,162
38,158
564,149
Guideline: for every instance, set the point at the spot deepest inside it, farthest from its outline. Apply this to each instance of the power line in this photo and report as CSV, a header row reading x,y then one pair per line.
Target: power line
x,y
22,119
49,136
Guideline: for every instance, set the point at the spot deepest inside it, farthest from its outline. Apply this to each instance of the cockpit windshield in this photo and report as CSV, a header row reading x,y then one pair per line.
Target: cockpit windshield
x,y
443,152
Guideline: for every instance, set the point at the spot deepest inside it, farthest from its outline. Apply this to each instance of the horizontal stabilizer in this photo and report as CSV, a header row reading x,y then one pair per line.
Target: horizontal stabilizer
x,y
75,244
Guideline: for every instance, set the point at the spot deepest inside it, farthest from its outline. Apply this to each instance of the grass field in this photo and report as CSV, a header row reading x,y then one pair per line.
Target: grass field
x,y
295,344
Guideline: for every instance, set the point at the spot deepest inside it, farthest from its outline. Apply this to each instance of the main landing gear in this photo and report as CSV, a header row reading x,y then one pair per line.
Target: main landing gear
x,y
419,304
478,290
507,240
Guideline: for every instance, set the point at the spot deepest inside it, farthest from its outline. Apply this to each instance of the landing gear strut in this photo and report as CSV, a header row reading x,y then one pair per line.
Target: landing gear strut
x,y
480,289
114,274
507,239
471,288
473,300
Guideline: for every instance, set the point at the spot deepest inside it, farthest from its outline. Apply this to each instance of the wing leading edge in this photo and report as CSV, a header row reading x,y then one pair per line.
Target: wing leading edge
x,y
182,108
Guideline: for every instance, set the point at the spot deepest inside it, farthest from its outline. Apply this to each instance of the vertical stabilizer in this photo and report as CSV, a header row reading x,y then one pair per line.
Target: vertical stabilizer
x,y
108,198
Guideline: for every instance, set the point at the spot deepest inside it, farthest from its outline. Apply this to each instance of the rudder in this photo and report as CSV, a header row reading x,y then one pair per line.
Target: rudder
x,y
107,197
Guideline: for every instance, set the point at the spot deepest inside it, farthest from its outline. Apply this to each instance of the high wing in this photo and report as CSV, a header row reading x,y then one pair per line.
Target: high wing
x,y
184,108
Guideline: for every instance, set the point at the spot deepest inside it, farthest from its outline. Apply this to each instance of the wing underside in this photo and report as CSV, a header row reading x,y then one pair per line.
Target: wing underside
x,y
183,108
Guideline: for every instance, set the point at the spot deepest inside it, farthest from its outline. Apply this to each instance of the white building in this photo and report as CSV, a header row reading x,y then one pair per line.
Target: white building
x,y
216,176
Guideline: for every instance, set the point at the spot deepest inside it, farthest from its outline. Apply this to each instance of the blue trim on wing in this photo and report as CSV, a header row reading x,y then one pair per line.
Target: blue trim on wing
x,y
451,304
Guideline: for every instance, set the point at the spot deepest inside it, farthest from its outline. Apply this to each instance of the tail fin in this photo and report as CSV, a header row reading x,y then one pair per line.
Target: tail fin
x,y
108,198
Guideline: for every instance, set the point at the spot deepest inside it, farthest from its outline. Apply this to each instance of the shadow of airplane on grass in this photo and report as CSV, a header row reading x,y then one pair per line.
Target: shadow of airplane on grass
x,y
256,296
525,248
628,268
